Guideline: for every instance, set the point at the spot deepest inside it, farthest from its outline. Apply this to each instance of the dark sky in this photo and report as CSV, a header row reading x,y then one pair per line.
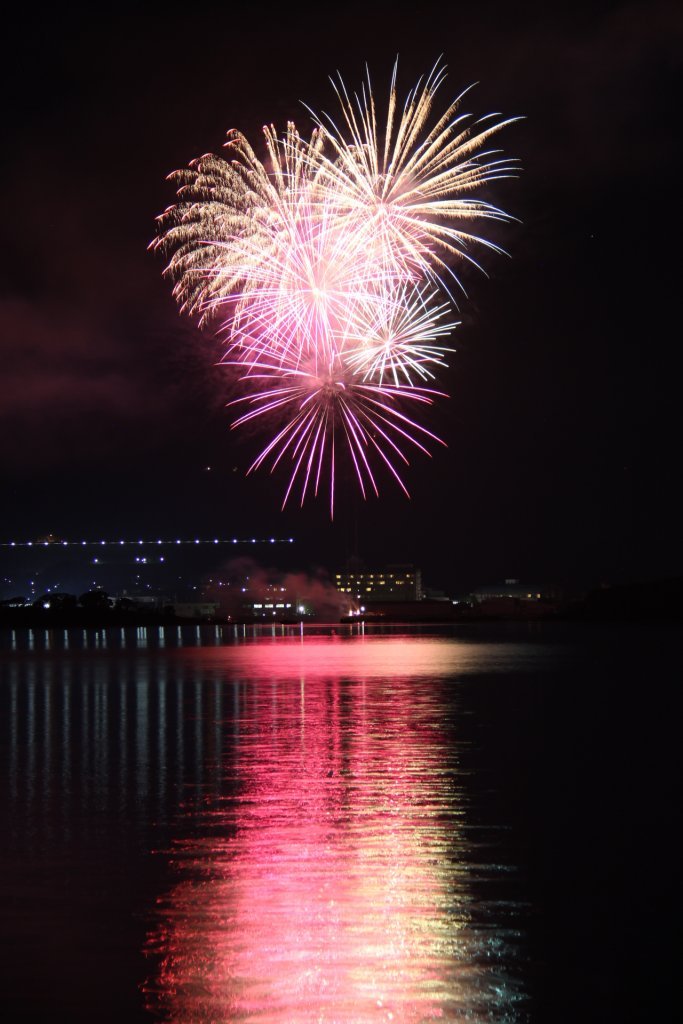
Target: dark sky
x,y
564,424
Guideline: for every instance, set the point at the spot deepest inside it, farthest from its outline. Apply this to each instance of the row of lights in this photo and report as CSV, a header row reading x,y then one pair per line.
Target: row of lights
x,y
63,544
371,575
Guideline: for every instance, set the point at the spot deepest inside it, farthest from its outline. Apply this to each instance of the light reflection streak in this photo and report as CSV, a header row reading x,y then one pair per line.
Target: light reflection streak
x,y
142,731
331,885
30,735
99,734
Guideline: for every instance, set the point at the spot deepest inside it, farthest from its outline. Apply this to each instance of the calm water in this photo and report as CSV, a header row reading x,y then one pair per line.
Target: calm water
x,y
208,825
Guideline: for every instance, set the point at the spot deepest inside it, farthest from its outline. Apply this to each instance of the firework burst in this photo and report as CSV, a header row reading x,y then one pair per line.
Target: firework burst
x,y
397,336
327,268
406,188
322,408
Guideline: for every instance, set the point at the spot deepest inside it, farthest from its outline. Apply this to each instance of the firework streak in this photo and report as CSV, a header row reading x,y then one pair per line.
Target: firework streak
x,y
328,270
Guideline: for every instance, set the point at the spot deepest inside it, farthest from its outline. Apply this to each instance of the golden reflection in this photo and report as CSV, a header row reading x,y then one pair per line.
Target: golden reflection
x,y
330,886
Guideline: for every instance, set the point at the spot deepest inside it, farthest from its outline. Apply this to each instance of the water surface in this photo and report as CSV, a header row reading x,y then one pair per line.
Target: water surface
x,y
228,825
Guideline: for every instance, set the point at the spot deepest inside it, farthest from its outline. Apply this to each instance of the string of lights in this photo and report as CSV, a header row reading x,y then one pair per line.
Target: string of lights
x,y
58,542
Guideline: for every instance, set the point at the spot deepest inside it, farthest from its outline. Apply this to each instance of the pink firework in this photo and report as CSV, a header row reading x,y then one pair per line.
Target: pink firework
x,y
321,409
325,271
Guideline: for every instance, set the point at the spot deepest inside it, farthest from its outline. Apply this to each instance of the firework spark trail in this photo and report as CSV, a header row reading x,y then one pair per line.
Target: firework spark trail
x,y
399,332
327,270
407,192
315,402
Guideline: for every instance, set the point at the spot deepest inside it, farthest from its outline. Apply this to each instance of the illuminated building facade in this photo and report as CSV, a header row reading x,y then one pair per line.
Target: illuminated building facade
x,y
395,583
273,602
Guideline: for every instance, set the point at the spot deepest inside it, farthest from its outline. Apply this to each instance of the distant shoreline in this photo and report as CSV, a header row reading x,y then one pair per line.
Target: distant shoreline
x,y
659,601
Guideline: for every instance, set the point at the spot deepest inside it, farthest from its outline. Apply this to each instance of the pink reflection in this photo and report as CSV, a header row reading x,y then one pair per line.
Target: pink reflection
x,y
329,888
386,657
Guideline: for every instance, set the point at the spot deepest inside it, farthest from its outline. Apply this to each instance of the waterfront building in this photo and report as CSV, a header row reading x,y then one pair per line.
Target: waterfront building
x,y
194,610
395,583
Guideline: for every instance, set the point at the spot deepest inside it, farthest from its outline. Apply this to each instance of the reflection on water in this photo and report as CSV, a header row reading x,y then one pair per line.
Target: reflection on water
x,y
331,885
309,799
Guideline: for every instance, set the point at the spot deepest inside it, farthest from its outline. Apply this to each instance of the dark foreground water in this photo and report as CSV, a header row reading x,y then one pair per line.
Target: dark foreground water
x,y
216,826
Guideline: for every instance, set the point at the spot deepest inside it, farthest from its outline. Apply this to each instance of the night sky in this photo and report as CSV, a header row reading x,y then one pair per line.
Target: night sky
x,y
564,424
